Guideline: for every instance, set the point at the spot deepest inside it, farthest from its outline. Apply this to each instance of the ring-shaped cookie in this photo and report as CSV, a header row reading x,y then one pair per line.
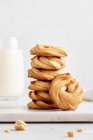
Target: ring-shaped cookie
x,y
51,63
66,92
44,74
47,50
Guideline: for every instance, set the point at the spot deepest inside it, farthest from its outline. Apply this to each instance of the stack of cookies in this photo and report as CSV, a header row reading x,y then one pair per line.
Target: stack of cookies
x,y
51,85
46,65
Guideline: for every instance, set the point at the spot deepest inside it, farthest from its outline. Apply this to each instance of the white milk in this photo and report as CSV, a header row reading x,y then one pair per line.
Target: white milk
x,y
11,72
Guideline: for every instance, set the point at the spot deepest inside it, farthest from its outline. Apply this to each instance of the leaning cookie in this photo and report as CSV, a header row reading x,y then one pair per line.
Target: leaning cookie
x,y
47,50
41,105
39,85
44,74
66,92
51,63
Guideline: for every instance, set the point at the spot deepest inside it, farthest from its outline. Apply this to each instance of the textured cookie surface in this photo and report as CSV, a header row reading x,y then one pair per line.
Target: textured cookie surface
x,y
66,92
39,96
39,85
47,50
41,105
52,63
44,74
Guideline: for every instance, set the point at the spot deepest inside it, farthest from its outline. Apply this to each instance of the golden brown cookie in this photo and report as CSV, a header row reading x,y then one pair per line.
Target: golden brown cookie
x,y
41,105
39,96
39,85
52,63
66,92
46,50
44,74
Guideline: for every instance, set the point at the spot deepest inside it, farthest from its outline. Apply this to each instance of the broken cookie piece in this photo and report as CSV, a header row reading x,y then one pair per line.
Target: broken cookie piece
x,y
80,130
6,130
20,125
71,133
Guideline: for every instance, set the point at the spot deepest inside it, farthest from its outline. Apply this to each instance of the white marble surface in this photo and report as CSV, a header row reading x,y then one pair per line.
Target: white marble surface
x,y
44,131
48,131
11,111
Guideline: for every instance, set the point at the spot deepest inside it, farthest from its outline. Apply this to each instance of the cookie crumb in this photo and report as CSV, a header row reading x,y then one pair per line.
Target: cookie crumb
x,y
20,125
80,130
71,133
6,130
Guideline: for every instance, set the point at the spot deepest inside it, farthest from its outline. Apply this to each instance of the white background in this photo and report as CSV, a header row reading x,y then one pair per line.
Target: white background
x,y
66,23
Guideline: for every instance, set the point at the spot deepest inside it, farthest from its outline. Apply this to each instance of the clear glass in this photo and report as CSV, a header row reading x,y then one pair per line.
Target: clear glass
x,y
11,69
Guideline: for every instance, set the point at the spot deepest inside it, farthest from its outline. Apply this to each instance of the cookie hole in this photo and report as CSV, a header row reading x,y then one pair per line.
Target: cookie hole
x,y
66,90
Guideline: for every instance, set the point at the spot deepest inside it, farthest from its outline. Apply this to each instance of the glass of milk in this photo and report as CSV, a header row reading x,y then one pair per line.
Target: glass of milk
x,y
11,69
